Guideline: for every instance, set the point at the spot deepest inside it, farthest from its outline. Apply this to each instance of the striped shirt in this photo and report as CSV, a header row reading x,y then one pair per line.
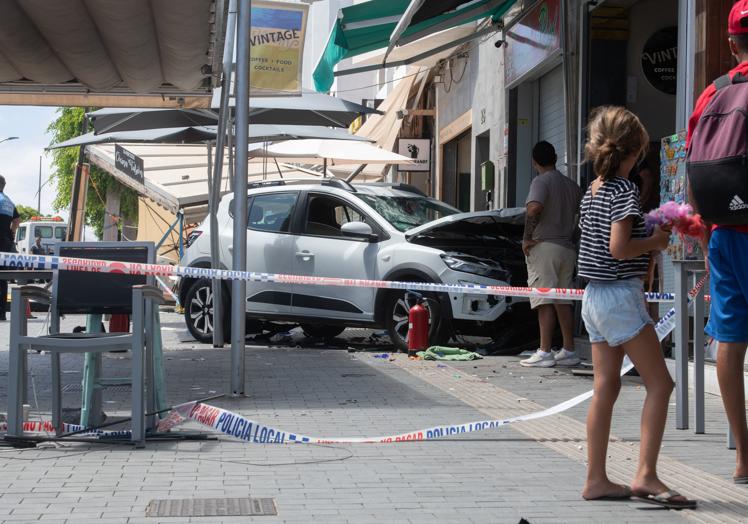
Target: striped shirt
x,y
615,200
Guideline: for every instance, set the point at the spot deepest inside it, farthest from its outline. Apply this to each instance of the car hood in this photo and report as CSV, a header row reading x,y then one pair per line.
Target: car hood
x,y
479,226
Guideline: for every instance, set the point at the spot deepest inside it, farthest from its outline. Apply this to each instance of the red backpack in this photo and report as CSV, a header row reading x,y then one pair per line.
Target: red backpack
x,y
717,162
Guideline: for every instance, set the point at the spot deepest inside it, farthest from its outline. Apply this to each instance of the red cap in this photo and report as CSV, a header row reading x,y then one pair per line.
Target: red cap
x,y
737,22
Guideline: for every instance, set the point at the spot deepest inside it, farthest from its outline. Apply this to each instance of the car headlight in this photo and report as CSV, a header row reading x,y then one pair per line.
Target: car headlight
x,y
475,266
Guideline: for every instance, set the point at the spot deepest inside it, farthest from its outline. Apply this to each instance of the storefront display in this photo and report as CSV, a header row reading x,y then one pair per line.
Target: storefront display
x,y
673,189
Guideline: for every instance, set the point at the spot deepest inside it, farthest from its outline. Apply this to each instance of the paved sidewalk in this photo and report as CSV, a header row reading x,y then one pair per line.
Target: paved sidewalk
x,y
533,470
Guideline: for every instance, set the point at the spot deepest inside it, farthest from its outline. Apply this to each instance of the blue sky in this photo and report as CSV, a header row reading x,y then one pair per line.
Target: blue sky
x,y
19,159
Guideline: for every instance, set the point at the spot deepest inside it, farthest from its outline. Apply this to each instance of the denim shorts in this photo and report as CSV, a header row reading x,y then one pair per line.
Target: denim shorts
x,y
614,311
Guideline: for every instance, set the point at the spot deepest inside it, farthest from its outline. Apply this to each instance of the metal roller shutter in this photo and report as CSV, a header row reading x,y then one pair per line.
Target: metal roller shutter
x,y
552,124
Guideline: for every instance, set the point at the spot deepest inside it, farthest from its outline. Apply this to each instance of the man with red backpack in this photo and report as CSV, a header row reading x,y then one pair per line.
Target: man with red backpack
x,y
718,187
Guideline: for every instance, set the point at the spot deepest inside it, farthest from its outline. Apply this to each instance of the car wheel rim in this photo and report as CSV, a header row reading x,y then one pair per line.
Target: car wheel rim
x,y
201,310
400,313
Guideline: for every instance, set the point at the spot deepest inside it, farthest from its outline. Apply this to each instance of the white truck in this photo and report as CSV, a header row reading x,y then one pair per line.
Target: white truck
x,y
50,229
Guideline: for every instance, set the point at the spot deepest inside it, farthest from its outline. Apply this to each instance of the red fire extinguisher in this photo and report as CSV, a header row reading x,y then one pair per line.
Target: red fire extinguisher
x,y
418,326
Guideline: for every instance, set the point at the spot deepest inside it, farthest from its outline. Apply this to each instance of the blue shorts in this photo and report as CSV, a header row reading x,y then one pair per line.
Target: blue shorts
x,y
728,285
614,311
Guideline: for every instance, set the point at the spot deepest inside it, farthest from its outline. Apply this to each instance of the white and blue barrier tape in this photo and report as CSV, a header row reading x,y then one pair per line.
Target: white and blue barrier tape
x,y
47,263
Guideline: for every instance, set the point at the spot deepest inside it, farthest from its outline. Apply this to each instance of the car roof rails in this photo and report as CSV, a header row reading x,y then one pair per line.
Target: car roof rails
x,y
339,183
400,186
266,183
327,181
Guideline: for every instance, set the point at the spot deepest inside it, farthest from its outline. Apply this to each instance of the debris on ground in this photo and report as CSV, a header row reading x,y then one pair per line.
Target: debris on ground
x,y
447,353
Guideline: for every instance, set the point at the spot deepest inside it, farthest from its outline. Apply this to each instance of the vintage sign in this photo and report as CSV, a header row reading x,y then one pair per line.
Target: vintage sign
x,y
532,40
277,47
417,149
129,163
660,60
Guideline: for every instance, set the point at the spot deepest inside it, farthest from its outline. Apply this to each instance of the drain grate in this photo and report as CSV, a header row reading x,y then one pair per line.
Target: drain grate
x,y
77,388
214,507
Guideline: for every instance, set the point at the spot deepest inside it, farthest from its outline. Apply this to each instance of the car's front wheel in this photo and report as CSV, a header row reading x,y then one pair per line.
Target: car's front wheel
x,y
198,310
396,313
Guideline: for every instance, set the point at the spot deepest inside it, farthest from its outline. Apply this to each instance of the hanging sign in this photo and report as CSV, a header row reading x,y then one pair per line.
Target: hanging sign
x,y
276,47
532,40
129,163
418,150
660,60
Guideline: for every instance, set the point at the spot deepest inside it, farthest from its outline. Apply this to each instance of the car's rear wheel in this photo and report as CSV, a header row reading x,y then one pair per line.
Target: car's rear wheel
x,y
396,313
198,311
322,331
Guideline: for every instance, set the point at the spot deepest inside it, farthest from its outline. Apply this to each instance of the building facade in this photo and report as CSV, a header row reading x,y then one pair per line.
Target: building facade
x,y
542,76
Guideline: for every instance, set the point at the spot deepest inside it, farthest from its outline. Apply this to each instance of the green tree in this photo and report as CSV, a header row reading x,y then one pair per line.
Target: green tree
x,y
26,212
69,124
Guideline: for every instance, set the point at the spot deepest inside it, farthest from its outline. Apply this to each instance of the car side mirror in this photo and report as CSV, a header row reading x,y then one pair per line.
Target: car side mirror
x,y
358,230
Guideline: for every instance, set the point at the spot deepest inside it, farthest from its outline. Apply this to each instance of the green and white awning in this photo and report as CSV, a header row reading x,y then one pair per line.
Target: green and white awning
x,y
380,24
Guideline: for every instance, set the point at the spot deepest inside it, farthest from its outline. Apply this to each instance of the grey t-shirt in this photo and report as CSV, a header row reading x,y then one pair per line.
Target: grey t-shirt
x,y
560,197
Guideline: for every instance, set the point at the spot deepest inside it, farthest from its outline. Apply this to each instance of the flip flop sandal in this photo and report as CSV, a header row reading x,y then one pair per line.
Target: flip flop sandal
x,y
625,495
740,480
665,500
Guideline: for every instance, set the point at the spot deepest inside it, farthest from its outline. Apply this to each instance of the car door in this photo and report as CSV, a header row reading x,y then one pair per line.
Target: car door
x,y
270,250
321,250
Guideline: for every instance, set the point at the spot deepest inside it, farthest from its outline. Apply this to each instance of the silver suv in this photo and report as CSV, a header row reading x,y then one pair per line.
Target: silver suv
x,y
370,231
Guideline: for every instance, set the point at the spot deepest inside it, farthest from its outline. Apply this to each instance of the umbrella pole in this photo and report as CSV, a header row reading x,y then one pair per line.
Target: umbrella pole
x,y
214,192
239,262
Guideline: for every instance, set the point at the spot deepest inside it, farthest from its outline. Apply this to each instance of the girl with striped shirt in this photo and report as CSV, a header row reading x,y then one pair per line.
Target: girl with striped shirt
x,y
614,255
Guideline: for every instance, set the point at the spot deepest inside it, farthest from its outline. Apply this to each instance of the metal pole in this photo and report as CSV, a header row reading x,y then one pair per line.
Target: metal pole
x,y
239,261
214,195
698,359
39,201
681,345
686,46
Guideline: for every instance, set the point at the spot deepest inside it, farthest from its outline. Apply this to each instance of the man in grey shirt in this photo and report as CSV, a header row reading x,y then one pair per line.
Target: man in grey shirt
x,y
550,253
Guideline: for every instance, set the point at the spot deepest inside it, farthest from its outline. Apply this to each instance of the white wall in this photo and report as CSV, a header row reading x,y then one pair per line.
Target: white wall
x,y
480,89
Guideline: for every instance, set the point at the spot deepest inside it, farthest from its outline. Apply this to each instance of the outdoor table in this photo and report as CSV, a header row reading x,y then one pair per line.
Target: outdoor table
x,y
687,273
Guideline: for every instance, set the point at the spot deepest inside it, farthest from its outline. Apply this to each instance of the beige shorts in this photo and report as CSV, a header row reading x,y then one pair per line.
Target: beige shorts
x,y
550,265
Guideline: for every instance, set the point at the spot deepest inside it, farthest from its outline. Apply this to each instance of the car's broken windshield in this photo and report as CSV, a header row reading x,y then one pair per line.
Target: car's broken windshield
x,y
408,212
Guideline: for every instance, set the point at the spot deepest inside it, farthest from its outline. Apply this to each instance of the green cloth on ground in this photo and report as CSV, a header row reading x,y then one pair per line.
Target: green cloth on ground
x,y
446,353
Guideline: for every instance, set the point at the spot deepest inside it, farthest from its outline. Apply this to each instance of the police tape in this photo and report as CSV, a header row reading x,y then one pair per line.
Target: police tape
x,y
46,426
252,431
249,430
42,262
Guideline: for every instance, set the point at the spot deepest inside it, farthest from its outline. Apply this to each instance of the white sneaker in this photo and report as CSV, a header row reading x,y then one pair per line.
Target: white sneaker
x,y
566,358
539,359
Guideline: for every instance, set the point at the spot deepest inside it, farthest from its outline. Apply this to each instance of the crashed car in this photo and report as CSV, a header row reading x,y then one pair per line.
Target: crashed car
x,y
394,232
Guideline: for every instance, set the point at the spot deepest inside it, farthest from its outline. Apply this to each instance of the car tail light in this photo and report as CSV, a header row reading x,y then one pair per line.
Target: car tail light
x,y
192,237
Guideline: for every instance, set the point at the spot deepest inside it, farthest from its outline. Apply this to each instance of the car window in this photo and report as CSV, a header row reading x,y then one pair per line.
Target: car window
x,y
272,212
43,231
326,214
60,233
21,234
405,213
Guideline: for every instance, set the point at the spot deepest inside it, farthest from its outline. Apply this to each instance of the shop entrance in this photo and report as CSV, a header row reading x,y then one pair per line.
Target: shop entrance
x,y
632,55
457,169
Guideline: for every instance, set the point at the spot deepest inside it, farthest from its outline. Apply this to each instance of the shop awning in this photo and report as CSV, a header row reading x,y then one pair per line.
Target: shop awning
x,y
77,52
419,53
180,135
384,129
313,151
176,176
369,26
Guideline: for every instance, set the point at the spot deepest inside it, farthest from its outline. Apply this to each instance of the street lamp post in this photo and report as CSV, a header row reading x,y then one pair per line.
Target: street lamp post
x,y
39,201
9,138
